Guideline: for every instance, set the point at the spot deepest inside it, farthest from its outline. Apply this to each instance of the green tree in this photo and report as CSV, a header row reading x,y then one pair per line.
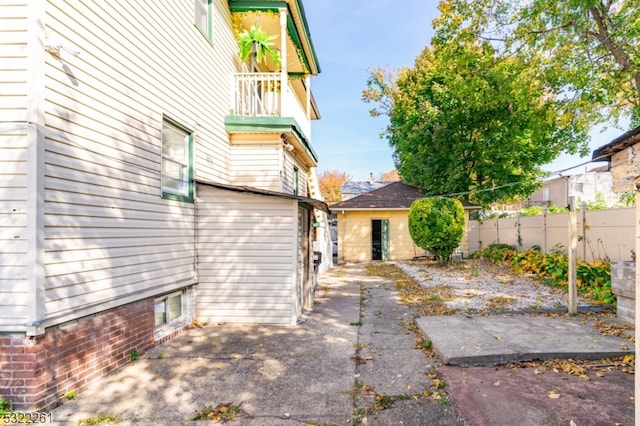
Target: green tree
x,y
437,225
466,120
591,47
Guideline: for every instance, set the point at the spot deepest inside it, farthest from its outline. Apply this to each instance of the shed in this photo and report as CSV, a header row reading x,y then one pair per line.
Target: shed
x,y
375,225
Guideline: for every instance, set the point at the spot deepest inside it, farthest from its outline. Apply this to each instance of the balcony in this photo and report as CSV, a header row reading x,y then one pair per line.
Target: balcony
x,y
261,95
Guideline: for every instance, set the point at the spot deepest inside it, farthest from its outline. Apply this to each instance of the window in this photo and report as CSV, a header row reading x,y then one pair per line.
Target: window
x,y
168,309
203,17
296,179
177,162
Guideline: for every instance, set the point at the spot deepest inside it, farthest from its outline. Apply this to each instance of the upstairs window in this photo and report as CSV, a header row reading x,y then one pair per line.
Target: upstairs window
x,y
177,162
296,181
203,17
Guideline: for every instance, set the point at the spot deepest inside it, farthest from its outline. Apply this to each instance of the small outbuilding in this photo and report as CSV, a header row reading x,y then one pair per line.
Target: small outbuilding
x,y
375,225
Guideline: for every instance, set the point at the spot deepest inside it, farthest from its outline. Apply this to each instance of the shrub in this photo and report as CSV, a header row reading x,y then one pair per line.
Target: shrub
x,y
497,253
531,211
593,279
437,225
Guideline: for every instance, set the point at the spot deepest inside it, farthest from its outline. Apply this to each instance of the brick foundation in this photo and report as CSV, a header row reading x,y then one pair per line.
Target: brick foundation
x,y
36,372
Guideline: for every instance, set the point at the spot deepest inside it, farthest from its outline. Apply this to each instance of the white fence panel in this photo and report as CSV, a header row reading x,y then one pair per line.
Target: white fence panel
x,y
602,234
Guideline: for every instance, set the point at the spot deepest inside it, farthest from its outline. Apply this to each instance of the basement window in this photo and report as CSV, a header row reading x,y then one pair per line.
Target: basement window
x,y
168,309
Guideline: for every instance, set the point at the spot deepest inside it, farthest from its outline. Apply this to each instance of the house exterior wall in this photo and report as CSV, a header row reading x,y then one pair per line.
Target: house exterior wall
x,y
38,370
85,233
354,235
265,164
236,229
17,191
84,229
593,187
625,168
552,192
110,236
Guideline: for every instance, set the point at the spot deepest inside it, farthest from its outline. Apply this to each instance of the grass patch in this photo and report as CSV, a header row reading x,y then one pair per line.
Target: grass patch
x,y
99,420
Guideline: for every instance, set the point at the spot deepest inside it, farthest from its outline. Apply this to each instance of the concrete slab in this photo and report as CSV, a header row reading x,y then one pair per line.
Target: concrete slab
x,y
488,340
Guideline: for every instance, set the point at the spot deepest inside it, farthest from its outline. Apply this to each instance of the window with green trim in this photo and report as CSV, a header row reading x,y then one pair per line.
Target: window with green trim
x,y
177,162
203,17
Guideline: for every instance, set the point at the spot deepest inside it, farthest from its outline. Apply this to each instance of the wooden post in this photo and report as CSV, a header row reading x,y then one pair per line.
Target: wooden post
x,y
573,245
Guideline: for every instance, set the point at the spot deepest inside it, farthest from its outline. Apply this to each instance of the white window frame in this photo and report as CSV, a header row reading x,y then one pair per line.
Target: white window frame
x,y
182,159
203,17
164,301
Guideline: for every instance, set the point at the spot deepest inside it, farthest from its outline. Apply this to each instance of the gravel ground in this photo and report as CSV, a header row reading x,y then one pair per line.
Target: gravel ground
x,y
479,285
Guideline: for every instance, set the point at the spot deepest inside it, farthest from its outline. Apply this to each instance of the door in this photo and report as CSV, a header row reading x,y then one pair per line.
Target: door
x,y
380,239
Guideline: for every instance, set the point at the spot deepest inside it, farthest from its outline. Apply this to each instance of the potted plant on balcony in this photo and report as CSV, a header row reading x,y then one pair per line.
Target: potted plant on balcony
x,y
256,46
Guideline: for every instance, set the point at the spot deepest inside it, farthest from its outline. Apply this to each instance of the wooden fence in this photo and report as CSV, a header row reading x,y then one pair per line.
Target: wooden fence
x,y
602,234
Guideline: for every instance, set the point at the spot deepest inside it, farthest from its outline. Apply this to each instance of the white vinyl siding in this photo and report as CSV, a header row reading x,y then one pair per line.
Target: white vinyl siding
x,y
14,290
110,237
15,137
203,19
257,166
267,166
246,244
14,73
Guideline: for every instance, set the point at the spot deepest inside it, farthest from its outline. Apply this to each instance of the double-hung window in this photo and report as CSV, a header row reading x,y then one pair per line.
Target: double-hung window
x,y
203,17
177,162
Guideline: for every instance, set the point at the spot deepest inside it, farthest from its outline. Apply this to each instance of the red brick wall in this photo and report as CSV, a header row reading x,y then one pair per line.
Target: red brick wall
x,y
36,372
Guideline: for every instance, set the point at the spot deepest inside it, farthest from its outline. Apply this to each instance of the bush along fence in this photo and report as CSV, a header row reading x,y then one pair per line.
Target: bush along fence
x,y
593,278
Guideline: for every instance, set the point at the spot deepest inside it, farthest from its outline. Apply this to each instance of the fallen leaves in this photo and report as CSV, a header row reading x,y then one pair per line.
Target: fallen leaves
x,y
222,412
553,394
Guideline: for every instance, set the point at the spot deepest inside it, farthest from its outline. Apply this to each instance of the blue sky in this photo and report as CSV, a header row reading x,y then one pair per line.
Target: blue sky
x,y
351,37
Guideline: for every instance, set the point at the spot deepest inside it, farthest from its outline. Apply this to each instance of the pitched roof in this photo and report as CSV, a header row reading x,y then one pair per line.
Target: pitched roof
x,y
627,139
394,195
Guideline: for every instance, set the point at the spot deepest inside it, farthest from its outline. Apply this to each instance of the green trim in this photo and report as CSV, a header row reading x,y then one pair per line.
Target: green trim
x,y
238,123
274,6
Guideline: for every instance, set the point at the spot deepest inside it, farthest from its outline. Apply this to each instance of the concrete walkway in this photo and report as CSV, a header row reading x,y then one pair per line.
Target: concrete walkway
x,y
352,361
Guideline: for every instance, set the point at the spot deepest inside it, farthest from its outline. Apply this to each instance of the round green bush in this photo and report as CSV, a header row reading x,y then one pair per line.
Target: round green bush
x,y
437,225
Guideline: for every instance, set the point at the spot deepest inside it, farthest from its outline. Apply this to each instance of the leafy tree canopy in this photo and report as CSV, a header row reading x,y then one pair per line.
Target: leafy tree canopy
x,y
591,47
466,121
504,88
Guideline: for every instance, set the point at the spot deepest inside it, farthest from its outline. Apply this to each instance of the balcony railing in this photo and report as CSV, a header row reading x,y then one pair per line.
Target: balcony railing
x,y
261,95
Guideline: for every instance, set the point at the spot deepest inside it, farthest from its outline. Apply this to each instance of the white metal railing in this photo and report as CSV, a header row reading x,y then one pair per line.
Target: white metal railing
x,y
261,95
